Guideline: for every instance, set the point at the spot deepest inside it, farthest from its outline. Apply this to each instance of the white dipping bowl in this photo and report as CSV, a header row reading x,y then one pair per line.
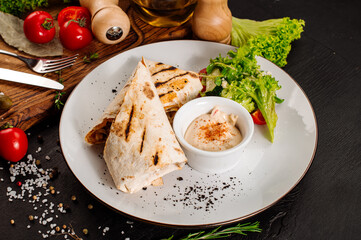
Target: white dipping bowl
x,y
208,161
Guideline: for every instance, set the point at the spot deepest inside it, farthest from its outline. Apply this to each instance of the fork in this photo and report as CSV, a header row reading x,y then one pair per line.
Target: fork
x,y
41,65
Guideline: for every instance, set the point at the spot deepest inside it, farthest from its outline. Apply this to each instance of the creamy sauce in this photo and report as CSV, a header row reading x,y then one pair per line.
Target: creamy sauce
x,y
215,131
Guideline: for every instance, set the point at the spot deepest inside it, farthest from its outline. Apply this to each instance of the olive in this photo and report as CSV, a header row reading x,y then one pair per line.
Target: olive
x,y
5,102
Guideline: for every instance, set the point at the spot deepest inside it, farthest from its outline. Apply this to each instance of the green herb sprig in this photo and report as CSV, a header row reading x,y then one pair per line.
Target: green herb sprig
x,y
58,103
90,57
216,233
60,78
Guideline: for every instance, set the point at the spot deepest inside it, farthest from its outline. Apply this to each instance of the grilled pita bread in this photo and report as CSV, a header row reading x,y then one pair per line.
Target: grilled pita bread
x,y
141,146
174,86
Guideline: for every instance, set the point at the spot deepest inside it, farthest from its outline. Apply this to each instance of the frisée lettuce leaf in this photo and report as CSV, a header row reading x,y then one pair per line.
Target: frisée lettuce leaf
x,y
270,38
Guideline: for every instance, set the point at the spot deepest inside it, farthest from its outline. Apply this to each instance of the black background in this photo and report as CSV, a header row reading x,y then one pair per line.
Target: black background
x,y
324,205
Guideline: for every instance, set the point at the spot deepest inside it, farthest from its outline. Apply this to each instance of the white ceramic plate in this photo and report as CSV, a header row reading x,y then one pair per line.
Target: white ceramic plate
x,y
267,172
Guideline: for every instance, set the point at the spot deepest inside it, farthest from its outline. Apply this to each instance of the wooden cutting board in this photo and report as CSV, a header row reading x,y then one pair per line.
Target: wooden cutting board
x,y
33,104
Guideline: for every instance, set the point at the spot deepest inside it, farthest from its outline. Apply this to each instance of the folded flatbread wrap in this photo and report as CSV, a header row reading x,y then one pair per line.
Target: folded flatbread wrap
x,y
174,86
141,146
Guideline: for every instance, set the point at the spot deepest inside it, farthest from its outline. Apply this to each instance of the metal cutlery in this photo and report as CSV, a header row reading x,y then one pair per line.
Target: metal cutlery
x,y
31,79
41,65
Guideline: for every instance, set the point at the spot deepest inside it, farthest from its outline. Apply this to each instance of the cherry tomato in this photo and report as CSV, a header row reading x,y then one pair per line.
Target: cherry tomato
x,y
258,117
203,72
13,144
39,27
74,13
75,35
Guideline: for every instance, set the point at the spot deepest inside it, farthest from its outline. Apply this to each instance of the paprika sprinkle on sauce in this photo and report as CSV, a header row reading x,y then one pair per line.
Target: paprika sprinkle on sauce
x,y
215,131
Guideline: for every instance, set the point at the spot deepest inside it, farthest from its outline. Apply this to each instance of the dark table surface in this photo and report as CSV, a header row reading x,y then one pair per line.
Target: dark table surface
x,y
325,62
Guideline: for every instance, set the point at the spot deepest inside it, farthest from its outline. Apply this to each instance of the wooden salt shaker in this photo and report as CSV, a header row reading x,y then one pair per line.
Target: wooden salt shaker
x,y
110,24
212,21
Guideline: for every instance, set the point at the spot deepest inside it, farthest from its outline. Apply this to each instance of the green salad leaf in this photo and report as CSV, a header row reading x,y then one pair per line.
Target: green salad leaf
x,y
270,39
263,92
243,81
235,92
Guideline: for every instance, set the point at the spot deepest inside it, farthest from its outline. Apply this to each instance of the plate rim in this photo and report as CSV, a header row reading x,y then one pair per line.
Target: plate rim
x,y
206,225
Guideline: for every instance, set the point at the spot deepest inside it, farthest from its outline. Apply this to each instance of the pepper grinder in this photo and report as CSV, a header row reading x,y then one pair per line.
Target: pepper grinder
x,y
110,24
212,21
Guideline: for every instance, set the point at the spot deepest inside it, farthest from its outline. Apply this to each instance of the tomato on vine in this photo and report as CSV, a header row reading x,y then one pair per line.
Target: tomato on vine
x,y
74,13
39,27
74,34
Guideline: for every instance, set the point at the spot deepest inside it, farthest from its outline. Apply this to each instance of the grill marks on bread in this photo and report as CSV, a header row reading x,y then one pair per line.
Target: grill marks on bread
x,y
127,130
124,128
171,68
142,141
158,84
176,82
155,159
172,79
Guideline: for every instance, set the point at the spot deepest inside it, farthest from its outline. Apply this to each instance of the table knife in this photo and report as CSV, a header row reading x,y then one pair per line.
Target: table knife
x,y
31,79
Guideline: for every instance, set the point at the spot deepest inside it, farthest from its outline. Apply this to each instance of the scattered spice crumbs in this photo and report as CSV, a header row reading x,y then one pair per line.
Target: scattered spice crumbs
x,y
32,184
201,195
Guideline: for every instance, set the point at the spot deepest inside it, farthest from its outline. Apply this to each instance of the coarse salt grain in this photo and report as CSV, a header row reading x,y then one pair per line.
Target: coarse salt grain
x,y
38,179
61,209
106,229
